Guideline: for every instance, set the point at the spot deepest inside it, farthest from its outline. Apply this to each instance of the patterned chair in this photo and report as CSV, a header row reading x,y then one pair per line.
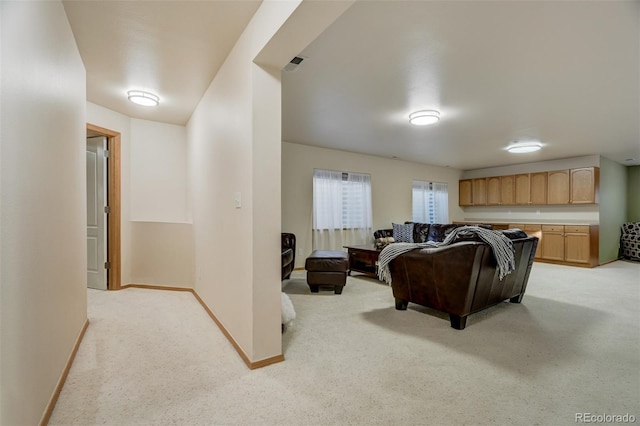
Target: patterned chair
x,y
630,241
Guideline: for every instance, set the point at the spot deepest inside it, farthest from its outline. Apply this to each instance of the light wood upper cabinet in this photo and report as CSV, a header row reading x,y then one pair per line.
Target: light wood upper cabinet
x,y
479,192
507,190
522,189
465,195
571,186
584,188
538,192
493,191
558,187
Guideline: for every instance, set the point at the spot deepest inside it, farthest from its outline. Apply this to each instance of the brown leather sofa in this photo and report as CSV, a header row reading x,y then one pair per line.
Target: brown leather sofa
x,y
461,279
288,254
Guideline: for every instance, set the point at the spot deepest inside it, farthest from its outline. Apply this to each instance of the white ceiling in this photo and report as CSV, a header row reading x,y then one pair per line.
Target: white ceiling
x,y
170,48
565,73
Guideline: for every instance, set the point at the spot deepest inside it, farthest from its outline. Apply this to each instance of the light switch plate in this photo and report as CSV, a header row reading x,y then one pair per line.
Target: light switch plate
x,y
238,200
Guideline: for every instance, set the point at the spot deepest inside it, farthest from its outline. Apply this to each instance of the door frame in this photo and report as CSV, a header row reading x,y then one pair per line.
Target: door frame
x,y
114,272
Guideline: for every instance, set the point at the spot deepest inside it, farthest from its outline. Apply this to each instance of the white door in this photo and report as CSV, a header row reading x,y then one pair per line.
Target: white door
x,y
96,206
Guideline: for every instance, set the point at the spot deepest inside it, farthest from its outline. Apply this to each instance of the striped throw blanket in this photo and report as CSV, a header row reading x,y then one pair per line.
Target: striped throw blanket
x,y
501,245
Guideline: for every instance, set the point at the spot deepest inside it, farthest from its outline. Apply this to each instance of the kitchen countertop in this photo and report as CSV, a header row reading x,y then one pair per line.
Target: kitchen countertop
x,y
531,222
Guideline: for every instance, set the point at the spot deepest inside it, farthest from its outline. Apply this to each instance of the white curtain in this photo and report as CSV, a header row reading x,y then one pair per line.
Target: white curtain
x,y
420,202
440,203
430,202
341,209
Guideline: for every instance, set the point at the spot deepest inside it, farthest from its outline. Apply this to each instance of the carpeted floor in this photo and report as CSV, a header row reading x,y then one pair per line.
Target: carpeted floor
x,y
154,357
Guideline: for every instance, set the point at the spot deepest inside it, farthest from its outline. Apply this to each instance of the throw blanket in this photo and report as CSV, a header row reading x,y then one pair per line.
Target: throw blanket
x,y
501,245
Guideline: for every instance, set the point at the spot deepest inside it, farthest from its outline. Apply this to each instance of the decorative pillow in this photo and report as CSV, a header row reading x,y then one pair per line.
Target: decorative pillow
x,y
403,233
420,232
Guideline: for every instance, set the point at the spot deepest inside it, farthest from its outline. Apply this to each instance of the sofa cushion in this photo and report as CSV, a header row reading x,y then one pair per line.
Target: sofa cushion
x,y
403,233
439,231
514,234
420,232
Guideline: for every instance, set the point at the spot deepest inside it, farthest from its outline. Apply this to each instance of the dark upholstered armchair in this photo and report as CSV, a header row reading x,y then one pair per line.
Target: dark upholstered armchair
x,y
288,254
630,241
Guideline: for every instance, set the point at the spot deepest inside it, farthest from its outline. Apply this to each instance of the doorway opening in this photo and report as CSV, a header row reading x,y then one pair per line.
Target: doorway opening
x,y
113,266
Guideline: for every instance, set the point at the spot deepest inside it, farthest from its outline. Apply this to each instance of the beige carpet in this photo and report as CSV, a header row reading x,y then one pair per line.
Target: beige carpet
x,y
573,346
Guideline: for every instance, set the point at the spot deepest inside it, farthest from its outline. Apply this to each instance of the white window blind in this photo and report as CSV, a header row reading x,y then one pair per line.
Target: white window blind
x,y
430,202
341,208
341,200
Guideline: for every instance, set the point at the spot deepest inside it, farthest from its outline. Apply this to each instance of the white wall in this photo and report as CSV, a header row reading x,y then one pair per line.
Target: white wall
x,y
158,172
633,195
222,163
162,254
157,235
42,206
535,214
391,183
234,147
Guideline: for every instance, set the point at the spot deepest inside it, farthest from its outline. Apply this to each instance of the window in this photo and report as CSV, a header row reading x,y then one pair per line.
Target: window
x,y
341,209
430,202
341,200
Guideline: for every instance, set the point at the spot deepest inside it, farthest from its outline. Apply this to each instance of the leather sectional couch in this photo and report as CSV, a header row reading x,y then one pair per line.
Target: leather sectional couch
x,y
461,279
423,232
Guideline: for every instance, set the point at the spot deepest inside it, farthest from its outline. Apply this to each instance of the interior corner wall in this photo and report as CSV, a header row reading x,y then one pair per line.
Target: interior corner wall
x,y
229,176
391,188
42,205
162,247
613,207
633,194
156,231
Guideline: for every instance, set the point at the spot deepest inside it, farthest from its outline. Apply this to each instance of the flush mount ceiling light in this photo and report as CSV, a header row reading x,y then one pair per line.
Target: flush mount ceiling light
x,y
143,98
424,117
522,147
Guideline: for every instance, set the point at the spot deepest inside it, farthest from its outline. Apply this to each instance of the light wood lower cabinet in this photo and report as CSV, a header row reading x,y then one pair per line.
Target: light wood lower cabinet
x,y
535,231
574,245
571,244
577,244
553,236
531,231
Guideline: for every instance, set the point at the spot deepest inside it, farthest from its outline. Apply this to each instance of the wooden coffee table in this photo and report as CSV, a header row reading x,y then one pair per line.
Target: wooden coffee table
x,y
364,259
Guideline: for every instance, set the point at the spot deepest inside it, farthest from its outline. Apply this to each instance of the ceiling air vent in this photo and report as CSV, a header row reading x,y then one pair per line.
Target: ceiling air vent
x,y
294,64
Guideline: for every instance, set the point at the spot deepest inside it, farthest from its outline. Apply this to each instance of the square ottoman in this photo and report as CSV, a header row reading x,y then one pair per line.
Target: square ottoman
x,y
327,268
